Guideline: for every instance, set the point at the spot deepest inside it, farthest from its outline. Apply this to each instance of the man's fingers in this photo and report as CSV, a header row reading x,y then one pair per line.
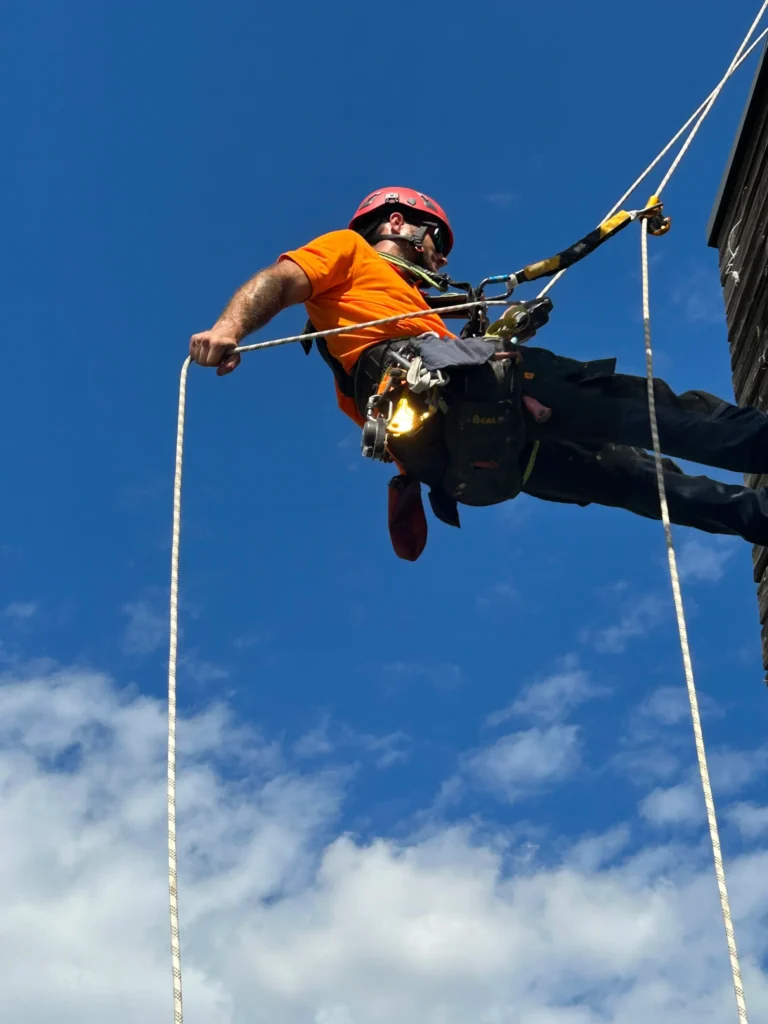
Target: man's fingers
x,y
199,348
228,364
208,352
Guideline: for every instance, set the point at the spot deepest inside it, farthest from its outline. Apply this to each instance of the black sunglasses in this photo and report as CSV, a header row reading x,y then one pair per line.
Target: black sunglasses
x,y
437,234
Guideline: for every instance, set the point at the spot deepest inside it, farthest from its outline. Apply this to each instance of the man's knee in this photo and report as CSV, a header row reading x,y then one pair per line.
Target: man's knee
x,y
703,402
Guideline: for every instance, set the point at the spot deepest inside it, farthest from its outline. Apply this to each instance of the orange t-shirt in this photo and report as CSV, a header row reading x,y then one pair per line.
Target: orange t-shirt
x,y
351,284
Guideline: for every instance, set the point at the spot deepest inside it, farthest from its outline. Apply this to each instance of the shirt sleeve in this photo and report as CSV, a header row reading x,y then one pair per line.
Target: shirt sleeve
x,y
327,260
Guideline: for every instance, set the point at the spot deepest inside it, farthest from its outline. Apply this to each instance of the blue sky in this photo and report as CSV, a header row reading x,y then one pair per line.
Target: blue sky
x,y
464,787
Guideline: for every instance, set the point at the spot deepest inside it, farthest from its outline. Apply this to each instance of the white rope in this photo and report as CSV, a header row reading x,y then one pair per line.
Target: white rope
x,y
173,880
369,323
710,102
683,631
174,593
703,109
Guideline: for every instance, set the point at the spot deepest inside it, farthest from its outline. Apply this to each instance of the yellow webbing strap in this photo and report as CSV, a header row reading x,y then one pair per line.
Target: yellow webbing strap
x,y
658,225
531,462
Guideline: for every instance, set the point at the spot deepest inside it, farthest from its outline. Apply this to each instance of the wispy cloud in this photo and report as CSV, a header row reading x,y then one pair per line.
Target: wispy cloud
x,y
656,744
648,764
201,671
442,675
750,819
503,199
388,750
498,594
251,639
667,705
705,560
700,298
730,770
520,763
511,515
349,450
678,805
552,698
334,738
316,742
641,616
145,630
20,611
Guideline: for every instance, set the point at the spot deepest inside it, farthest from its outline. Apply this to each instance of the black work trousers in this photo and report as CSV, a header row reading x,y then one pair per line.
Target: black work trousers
x,y
588,453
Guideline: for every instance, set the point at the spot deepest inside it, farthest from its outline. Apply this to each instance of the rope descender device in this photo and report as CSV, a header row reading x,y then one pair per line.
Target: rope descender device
x,y
392,411
658,224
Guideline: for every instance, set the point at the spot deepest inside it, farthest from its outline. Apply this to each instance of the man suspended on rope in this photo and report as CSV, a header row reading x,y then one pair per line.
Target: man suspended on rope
x,y
487,417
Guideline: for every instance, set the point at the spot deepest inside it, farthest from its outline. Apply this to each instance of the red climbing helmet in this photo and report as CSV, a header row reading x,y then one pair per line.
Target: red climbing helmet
x,y
406,200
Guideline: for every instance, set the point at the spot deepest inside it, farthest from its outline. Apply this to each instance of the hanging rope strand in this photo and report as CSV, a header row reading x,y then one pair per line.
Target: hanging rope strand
x,y
173,880
684,647
173,648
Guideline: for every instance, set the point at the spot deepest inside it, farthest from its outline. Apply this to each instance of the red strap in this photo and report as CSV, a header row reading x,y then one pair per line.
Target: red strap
x,y
407,521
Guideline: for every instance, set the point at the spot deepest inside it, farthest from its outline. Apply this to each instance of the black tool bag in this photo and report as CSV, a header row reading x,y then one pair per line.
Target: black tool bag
x,y
485,433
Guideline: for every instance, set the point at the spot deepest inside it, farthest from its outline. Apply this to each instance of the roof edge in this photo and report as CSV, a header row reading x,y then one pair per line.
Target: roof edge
x,y
738,149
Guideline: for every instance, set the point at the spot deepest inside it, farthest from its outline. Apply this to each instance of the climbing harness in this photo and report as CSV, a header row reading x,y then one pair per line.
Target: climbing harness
x,y
409,391
652,221
464,436
484,433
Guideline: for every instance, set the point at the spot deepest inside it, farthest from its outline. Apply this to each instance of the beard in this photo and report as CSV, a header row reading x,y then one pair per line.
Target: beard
x,y
426,255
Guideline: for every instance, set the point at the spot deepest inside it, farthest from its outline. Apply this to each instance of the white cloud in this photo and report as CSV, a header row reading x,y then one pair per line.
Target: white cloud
x,y
316,742
649,754
667,705
20,610
388,750
339,739
704,560
729,770
642,615
750,819
519,763
596,851
732,770
647,764
145,631
552,698
201,671
677,805
285,919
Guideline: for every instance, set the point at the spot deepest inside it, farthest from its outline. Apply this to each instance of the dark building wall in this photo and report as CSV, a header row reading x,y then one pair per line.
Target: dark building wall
x,y
738,229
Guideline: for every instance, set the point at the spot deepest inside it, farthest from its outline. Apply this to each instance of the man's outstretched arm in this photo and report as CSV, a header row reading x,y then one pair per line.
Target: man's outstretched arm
x,y
251,307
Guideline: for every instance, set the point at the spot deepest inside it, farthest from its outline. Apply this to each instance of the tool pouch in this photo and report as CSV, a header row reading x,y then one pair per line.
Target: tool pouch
x,y
485,434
